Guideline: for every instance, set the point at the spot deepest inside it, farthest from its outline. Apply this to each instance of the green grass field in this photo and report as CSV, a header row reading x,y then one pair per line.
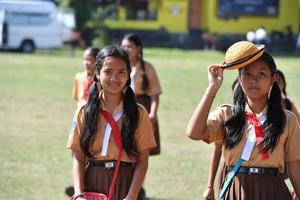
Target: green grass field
x,y
37,109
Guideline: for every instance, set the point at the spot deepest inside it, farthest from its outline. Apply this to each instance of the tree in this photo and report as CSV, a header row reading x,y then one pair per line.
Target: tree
x,y
99,23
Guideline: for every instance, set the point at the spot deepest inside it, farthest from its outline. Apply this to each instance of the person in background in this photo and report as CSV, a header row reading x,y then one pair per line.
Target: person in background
x,y
285,101
94,149
260,36
145,83
260,138
75,40
287,104
298,43
250,36
83,80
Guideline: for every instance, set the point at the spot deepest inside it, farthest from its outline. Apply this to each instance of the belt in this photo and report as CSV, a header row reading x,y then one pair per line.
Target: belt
x,y
259,171
109,164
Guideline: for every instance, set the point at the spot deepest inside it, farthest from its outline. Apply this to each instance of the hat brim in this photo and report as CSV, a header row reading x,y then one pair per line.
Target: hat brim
x,y
245,61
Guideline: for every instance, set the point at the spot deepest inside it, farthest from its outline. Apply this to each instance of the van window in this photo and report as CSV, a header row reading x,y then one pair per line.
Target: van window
x,y
29,19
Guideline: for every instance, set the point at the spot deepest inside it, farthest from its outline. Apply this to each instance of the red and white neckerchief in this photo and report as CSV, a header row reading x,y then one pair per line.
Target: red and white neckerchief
x,y
259,132
107,133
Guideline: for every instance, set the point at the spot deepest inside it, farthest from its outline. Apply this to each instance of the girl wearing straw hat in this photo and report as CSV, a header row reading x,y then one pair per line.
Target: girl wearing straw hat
x,y
259,137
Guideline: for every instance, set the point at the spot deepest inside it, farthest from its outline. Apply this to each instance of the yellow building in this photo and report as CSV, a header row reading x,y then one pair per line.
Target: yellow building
x,y
218,16
274,15
221,17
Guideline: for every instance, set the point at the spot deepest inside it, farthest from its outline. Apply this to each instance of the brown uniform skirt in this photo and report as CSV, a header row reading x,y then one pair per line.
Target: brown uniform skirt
x,y
254,187
99,179
145,100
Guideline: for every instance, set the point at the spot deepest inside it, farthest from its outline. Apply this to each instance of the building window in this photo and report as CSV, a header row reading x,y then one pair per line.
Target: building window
x,y
140,9
236,8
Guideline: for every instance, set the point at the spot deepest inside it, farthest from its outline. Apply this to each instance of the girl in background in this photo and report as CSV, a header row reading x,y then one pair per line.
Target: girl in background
x,y
285,101
144,82
83,80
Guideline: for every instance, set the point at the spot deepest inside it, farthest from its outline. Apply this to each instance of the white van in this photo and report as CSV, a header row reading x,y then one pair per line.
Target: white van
x,y
30,24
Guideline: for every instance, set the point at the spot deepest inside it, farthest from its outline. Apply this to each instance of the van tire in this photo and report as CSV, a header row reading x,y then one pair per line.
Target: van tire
x,y
27,46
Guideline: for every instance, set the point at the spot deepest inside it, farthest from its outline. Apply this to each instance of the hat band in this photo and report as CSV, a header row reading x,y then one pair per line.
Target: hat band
x,y
225,65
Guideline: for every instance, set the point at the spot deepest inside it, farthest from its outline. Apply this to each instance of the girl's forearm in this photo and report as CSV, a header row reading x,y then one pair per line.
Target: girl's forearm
x,y
197,123
138,176
78,173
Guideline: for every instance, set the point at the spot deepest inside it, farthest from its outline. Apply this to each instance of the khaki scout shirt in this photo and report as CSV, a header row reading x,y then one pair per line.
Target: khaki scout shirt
x,y
80,84
144,137
154,85
287,148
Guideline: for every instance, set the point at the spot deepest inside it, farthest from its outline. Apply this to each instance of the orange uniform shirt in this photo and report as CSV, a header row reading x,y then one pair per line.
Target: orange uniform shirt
x,y
144,136
286,149
154,85
81,88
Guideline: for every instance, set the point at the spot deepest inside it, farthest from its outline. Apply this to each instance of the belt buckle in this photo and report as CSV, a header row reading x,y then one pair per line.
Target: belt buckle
x,y
254,170
109,165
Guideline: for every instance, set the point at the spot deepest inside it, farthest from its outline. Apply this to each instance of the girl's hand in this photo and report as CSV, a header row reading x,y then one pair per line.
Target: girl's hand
x,y
208,194
79,197
215,76
128,198
153,117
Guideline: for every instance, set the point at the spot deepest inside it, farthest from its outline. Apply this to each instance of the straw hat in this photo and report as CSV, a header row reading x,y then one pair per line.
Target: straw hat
x,y
241,54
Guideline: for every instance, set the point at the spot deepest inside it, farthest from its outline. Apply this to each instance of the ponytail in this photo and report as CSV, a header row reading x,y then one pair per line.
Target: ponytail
x,y
276,119
89,127
130,122
145,80
235,125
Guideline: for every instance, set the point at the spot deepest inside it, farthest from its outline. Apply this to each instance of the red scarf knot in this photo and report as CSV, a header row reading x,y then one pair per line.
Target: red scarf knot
x,y
259,133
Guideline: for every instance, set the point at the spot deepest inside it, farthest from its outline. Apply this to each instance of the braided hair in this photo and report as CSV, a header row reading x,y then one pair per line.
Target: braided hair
x,y
138,42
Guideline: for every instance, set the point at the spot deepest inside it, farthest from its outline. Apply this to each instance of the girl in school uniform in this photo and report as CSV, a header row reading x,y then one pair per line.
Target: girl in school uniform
x,y
285,101
259,137
144,82
83,80
95,152
217,150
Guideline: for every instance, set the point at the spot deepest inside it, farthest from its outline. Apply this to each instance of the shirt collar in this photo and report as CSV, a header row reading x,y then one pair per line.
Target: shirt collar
x,y
263,112
262,116
118,109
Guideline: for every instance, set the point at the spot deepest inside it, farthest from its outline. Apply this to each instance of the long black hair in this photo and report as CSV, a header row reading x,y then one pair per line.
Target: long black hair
x,y
287,101
93,51
281,75
276,119
91,109
138,42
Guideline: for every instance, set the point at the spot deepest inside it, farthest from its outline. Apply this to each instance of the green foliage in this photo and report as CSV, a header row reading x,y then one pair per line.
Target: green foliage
x,y
91,19
83,12
98,24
